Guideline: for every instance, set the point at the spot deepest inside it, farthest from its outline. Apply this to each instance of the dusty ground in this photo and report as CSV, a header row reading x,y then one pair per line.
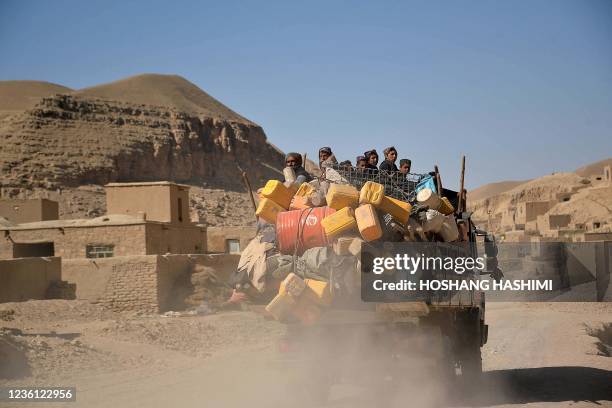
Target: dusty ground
x,y
538,354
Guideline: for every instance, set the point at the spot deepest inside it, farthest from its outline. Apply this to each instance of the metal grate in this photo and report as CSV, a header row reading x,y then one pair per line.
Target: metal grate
x,y
99,251
397,185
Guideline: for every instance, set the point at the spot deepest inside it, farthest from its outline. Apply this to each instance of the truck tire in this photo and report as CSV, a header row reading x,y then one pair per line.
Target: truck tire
x,y
471,363
470,337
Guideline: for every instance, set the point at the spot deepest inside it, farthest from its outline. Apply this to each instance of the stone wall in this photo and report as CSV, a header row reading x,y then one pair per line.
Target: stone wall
x,y
27,278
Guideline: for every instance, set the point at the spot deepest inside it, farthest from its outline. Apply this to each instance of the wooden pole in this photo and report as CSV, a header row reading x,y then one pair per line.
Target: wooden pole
x,y
462,192
247,184
438,180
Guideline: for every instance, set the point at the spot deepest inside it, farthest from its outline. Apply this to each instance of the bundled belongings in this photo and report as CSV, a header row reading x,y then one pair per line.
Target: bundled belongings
x,y
426,197
321,226
300,298
319,274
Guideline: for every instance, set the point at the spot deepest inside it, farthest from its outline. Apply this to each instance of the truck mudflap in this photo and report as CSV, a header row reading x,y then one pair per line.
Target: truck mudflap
x,y
484,335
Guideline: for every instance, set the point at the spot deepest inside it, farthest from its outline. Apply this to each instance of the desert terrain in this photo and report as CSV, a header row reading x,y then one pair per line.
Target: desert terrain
x,y
582,199
65,144
538,354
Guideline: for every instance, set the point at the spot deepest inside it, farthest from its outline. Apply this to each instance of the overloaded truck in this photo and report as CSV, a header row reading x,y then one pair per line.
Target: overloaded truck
x,y
338,334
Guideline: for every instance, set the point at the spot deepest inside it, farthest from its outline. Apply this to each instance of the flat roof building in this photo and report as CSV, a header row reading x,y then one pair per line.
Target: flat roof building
x,y
143,219
29,210
161,201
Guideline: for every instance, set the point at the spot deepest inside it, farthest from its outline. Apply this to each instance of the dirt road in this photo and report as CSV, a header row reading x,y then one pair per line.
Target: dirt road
x,y
538,354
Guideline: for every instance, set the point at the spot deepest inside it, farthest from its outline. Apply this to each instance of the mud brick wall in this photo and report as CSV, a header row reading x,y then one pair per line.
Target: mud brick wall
x,y
139,283
71,242
132,285
173,239
216,237
121,283
27,278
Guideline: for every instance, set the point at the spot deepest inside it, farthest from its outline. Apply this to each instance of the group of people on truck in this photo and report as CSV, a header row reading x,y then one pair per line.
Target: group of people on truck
x,y
261,256
369,160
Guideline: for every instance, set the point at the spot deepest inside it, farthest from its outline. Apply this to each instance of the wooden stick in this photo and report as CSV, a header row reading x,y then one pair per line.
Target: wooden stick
x,y
462,192
438,180
247,184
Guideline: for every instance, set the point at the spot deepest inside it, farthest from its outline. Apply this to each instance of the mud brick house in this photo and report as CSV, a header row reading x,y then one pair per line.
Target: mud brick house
x,y
150,218
147,241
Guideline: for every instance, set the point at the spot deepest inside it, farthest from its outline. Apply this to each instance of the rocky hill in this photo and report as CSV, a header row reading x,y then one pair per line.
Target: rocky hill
x,y
170,91
17,96
144,128
581,202
493,189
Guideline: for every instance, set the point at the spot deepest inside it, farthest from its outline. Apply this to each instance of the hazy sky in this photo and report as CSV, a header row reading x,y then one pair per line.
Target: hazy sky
x,y
523,88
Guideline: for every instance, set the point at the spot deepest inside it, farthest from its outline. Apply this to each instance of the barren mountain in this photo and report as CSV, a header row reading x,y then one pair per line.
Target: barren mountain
x,y
493,189
170,91
594,168
144,128
582,195
17,96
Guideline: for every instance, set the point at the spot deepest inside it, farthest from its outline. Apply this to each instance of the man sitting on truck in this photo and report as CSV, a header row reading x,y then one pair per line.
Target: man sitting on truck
x,y
294,161
326,157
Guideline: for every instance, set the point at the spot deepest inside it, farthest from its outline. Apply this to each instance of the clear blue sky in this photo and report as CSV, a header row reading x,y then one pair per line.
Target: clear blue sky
x,y
523,88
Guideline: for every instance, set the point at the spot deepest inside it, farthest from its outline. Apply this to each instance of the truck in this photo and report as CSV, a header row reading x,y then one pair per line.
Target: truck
x,y
434,338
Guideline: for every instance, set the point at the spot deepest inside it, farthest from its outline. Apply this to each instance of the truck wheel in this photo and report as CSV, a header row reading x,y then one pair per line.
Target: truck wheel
x,y
470,359
471,363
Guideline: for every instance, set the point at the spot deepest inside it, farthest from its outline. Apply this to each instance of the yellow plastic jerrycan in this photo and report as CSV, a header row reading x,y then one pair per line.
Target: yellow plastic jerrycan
x,y
292,285
399,210
268,210
276,191
280,307
342,195
372,193
368,222
318,292
339,222
305,190
446,207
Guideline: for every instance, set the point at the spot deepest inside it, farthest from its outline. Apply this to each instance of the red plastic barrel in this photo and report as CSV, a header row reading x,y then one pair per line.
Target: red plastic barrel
x,y
299,230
